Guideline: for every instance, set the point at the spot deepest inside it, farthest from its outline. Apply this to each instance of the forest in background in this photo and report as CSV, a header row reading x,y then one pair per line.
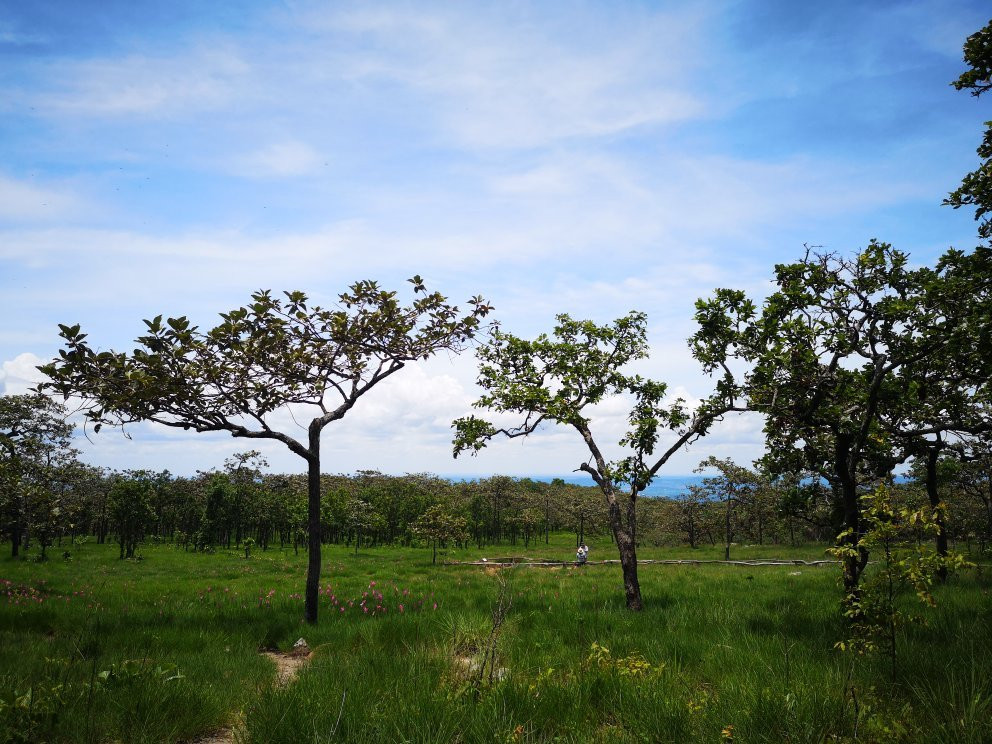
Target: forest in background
x,y
57,501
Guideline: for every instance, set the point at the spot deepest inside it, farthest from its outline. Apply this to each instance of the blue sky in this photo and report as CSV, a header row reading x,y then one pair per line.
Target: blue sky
x,y
589,158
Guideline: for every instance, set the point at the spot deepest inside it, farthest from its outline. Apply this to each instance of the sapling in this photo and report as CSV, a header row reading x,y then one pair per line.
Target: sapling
x,y
902,562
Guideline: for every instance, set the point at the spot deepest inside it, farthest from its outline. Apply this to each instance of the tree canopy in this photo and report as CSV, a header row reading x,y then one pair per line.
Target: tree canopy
x,y
834,350
556,378
34,438
269,355
976,187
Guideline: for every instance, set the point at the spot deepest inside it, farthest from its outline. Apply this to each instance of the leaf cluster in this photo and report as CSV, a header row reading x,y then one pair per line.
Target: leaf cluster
x,y
976,187
824,350
555,378
891,531
273,352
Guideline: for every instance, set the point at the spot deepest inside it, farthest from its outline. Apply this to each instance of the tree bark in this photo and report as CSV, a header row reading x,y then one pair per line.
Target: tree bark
x,y
934,496
628,562
313,524
628,552
726,530
988,514
853,564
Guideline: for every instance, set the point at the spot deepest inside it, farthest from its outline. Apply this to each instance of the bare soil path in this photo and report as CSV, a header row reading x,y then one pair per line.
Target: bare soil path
x,y
288,665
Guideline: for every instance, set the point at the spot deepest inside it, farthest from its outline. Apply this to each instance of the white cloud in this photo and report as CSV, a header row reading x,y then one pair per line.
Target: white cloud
x,y
20,374
279,160
169,85
16,38
517,80
490,77
21,201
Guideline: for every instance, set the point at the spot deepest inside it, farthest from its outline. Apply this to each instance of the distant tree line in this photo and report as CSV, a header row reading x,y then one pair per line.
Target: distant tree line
x,y
49,498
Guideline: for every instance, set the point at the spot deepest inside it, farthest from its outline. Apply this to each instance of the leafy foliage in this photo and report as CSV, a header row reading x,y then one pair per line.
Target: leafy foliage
x,y
264,356
557,378
976,187
36,461
903,563
269,355
438,525
829,357
131,511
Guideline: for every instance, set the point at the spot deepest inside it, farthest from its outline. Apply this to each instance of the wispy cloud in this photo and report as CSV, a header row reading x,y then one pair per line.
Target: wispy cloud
x,y
553,82
24,201
279,160
138,85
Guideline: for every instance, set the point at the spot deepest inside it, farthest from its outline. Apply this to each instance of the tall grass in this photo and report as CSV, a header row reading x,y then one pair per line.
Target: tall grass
x,y
166,649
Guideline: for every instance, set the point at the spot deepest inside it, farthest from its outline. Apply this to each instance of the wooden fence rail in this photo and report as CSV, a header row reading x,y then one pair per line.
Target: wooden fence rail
x,y
670,562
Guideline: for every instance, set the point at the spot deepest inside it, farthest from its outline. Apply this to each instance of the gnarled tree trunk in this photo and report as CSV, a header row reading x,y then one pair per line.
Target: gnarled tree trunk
x,y
313,527
932,493
624,535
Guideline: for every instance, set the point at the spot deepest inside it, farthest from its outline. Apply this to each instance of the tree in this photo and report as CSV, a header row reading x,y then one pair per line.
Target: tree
x,y
551,494
874,612
438,525
689,506
976,187
556,378
362,518
803,496
582,509
85,487
216,516
529,520
245,471
825,353
970,473
33,431
271,354
936,401
499,489
733,485
131,509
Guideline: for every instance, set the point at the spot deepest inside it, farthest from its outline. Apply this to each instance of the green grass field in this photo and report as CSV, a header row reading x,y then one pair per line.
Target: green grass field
x,y
166,649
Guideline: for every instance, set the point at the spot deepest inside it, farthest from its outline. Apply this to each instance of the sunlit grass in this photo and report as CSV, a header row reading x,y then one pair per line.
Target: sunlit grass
x,y
178,635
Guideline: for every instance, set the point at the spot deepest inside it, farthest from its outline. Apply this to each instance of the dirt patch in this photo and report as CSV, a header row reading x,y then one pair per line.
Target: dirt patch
x,y
465,666
289,663
224,736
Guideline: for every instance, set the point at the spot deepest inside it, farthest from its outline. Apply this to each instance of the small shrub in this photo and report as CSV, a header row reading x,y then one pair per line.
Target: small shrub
x,y
31,715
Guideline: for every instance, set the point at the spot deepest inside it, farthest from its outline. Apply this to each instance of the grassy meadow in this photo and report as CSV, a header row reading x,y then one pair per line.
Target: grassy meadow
x,y
166,649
